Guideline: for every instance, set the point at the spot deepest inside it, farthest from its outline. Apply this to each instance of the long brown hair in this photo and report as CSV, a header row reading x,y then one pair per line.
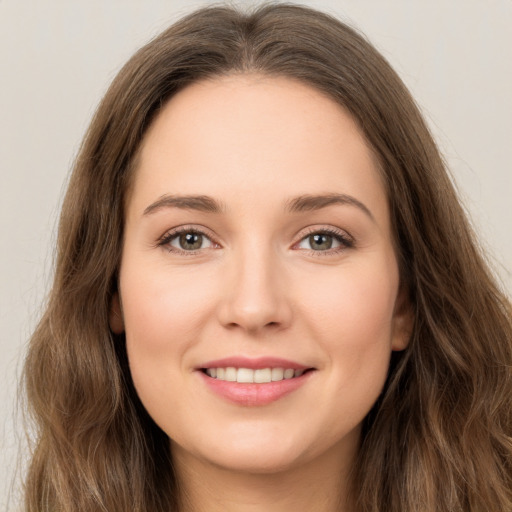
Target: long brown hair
x,y
439,437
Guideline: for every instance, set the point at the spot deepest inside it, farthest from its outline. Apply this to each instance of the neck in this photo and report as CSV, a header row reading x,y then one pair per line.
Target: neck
x,y
320,485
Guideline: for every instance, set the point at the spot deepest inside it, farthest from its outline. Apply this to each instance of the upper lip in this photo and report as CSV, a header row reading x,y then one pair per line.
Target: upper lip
x,y
253,363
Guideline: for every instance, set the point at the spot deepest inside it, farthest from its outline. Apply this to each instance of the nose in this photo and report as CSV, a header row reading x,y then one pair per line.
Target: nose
x,y
255,296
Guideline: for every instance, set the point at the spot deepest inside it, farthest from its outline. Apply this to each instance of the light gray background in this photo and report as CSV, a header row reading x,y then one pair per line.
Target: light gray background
x,y
58,57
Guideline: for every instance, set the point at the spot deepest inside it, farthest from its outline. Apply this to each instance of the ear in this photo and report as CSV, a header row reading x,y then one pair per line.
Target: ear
x,y
403,321
116,321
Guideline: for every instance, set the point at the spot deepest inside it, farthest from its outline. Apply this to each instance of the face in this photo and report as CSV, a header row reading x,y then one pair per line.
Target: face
x,y
258,284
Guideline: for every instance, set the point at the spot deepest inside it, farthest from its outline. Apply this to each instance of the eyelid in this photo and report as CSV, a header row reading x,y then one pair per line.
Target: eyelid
x,y
343,237
165,239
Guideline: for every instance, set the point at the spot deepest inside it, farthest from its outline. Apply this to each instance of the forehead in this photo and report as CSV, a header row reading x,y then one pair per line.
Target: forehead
x,y
253,136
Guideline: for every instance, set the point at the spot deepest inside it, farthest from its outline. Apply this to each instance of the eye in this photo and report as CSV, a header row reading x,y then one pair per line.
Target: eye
x,y
186,240
325,241
190,241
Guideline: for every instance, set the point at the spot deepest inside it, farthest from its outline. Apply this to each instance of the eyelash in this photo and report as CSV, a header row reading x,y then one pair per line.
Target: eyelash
x,y
166,240
345,241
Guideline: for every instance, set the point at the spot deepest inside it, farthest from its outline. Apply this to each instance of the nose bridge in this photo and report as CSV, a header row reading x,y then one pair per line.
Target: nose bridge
x,y
255,296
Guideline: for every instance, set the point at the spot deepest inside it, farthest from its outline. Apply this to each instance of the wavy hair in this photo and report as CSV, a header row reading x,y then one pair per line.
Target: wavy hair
x,y
439,437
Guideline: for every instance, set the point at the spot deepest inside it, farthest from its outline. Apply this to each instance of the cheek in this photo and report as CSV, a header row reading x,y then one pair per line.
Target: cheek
x,y
164,316
160,306
356,302
351,315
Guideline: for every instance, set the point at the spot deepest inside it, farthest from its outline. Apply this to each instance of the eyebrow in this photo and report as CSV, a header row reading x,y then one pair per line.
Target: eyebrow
x,y
200,203
303,203
308,202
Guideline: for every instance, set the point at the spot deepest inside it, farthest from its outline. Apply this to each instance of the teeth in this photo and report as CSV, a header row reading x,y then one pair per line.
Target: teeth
x,y
230,374
247,375
288,374
263,375
277,374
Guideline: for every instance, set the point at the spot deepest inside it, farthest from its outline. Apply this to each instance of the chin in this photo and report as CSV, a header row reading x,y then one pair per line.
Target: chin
x,y
256,462
244,455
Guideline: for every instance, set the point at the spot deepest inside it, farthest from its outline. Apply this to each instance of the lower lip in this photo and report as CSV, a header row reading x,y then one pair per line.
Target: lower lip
x,y
251,394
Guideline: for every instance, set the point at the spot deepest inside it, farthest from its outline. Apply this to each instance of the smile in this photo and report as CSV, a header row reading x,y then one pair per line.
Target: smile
x,y
248,375
253,382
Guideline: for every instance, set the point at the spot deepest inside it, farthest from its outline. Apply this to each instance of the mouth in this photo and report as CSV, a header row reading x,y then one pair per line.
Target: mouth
x,y
254,382
256,376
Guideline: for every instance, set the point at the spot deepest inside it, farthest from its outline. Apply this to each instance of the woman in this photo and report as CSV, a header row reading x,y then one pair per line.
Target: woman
x,y
267,295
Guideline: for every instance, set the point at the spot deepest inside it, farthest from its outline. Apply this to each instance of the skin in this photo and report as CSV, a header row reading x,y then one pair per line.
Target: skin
x,y
259,287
